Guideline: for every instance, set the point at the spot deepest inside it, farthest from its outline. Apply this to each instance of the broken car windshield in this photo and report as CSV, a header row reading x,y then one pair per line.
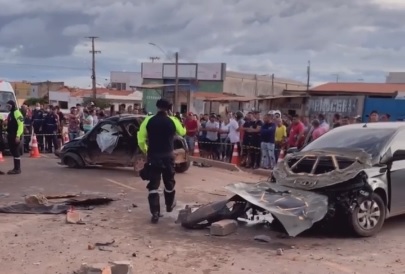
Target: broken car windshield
x,y
371,140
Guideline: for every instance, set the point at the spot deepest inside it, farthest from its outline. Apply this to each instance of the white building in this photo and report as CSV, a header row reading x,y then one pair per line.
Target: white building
x,y
122,80
67,98
395,78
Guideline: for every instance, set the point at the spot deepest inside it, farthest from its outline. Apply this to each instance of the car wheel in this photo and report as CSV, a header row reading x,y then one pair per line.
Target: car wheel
x,y
368,217
183,167
73,160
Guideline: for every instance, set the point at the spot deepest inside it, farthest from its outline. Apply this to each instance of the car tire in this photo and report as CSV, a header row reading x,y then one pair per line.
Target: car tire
x,y
368,216
183,167
73,160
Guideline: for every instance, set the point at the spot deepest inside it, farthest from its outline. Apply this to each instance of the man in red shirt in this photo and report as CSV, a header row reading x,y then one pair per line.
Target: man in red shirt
x,y
191,125
297,133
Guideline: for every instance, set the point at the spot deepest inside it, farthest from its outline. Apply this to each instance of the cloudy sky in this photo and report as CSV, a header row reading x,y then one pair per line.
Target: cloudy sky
x,y
359,40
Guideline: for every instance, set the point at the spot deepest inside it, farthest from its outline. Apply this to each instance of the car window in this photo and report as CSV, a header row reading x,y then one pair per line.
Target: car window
x,y
398,141
108,127
372,140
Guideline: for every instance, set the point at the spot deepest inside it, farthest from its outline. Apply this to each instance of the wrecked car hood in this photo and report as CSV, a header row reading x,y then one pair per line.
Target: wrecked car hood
x,y
297,210
315,169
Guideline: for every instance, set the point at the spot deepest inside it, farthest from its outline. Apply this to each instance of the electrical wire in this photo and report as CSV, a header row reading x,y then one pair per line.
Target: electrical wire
x,y
44,66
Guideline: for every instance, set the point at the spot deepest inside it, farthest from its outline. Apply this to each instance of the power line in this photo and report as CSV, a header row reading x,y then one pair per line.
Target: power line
x,y
43,66
93,64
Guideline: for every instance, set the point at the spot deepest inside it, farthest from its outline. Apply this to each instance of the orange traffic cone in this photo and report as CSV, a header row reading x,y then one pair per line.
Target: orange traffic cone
x,y
1,157
196,152
34,147
66,138
235,155
281,155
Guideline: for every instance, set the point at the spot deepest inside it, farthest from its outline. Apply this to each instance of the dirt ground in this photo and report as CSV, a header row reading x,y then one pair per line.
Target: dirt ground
x,y
45,244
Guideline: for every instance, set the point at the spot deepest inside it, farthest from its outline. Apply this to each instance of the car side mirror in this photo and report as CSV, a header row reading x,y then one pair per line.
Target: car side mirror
x,y
292,150
398,155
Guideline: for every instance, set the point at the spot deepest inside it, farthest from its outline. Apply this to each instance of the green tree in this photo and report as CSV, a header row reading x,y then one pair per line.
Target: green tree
x,y
102,103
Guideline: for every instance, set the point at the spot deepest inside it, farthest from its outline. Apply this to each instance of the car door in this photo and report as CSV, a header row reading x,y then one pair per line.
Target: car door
x,y
94,150
397,176
124,150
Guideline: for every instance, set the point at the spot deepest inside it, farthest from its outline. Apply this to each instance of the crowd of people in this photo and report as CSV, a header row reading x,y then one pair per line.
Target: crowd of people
x,y
259,139
47,122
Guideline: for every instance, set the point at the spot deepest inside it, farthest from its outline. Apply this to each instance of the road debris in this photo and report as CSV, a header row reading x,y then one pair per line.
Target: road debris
x,y
262,238
38,199
116,267
223,227
73,217
4,195
35,204
280,251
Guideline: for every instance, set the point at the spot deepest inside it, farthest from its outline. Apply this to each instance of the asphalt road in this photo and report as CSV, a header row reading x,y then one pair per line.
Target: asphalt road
x,y
45,244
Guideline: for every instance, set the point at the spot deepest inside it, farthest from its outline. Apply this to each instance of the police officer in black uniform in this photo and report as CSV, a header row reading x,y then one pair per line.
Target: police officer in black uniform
x,y
37,124
156,139
51,129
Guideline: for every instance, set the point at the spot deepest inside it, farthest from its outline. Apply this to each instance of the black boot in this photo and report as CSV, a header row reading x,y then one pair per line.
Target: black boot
x,y
170,200
17,167
154,206
2,173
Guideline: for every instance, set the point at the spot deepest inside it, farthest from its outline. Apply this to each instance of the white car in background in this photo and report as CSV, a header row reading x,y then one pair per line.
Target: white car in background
x,y
6,94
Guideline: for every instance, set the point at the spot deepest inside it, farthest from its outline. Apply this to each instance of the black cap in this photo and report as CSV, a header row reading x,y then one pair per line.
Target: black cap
x,y
163,104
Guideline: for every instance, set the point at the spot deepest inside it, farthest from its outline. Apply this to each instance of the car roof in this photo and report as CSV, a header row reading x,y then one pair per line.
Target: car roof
x,y
377,125
125,117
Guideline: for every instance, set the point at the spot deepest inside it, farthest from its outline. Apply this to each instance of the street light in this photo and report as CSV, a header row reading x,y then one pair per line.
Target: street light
x,y
167,56
176,85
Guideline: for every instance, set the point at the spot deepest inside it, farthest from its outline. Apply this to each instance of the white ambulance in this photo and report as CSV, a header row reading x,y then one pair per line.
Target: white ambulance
x,y
6,94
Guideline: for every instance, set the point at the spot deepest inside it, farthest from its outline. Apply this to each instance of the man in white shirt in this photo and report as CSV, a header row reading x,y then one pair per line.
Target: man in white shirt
x,y
234,136
212,128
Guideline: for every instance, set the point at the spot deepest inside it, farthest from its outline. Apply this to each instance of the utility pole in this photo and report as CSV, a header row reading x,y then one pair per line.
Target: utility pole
x,y
176,85
93,52
308,74
154,58
272,84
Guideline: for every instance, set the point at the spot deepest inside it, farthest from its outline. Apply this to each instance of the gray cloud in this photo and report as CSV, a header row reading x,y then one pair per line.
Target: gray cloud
x,y
344,35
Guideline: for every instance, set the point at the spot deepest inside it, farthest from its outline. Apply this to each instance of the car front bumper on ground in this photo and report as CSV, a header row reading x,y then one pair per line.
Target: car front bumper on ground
x,y
297,210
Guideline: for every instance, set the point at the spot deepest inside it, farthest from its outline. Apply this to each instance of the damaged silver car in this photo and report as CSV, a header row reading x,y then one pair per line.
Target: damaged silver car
x,y
354,173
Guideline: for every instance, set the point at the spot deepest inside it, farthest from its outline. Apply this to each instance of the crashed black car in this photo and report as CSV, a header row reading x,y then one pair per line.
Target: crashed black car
x,y
113,142
353,173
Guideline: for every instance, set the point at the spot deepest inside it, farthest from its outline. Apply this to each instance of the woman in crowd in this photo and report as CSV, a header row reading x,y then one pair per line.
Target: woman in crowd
x,y
223,137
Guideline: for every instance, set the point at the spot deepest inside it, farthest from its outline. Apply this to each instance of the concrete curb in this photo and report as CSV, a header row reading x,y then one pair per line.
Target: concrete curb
x,y
217,164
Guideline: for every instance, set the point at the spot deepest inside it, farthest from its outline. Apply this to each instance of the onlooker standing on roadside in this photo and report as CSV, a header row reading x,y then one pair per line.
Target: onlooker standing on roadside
x,y
296,137
255,158
234,136
223,138
323,122
267,145
74,124
87,121
62,121
318,130
374,116
280,134
336,120
191,126
212,129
